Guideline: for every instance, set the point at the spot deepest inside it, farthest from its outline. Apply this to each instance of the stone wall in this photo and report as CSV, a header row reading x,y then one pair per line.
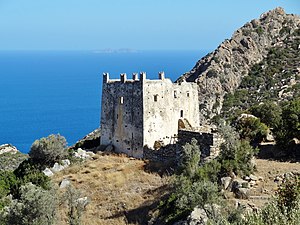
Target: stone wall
x,y
164,154
122,115
209,146
165,103
209,142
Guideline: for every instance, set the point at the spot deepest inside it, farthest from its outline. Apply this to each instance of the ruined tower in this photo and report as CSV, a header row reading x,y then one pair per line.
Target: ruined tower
x,y
138,112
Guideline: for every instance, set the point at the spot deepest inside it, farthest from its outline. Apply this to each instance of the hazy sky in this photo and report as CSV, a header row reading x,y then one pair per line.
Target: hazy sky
x,y
137,24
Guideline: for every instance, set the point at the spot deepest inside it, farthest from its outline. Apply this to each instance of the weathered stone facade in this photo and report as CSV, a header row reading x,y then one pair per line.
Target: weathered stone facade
x,y
142,112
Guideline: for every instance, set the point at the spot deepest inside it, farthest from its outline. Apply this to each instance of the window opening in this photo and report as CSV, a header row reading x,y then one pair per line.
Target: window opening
x,y
121,100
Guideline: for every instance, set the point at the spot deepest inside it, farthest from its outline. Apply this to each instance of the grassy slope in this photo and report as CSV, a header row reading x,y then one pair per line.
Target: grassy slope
x,y
121,192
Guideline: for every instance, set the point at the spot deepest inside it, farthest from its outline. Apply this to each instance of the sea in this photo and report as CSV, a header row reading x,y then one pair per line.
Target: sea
x,y
51,92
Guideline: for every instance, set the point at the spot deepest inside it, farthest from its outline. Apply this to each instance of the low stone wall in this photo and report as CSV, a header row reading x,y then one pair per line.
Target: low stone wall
x,y
163,154
209,146
209,142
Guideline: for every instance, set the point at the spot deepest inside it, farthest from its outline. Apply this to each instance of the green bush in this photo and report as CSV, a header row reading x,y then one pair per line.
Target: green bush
x,y
36,206
7,181
29,172
75,208
49,150
190,158
195,185
186,196
288,193
236,154
268,112
252,130
290,124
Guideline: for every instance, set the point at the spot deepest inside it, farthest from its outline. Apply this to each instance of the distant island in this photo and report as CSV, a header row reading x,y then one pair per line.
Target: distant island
x,y
120,50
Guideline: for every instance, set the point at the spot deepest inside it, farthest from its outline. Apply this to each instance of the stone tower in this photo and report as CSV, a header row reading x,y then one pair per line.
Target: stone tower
x,y
138,112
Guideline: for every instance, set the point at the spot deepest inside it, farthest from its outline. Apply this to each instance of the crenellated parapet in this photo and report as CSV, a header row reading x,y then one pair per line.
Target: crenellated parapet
x,y
141,77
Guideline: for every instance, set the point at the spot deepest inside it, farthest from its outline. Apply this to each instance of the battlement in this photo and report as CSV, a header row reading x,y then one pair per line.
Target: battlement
x,y
135,78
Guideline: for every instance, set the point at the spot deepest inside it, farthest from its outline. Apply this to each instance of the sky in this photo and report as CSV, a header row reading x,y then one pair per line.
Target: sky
x,y
133,24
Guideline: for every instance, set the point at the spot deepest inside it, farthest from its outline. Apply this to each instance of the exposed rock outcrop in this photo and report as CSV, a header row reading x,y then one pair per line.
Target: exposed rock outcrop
x,y
7,148
10,157
89,142
221,71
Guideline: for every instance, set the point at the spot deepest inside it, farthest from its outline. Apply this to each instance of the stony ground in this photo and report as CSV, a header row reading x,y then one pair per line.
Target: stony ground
x,y
271,173
122,192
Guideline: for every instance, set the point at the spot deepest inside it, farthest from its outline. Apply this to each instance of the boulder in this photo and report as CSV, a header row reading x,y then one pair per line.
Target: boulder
x,y
90,141
66,163
242,193
247,178
226,181
83,154
64,183
238,183
197,217
48,172
57,167
252,177
84,201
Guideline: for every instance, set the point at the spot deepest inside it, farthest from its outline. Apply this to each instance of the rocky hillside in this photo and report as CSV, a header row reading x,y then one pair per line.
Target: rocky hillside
x,y
222,71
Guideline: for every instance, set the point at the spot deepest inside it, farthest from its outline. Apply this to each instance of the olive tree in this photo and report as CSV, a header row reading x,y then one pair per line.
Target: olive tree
x,y
48,150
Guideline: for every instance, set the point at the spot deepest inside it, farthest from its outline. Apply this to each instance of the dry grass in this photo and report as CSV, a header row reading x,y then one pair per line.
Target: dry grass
x,y
119,189
122,192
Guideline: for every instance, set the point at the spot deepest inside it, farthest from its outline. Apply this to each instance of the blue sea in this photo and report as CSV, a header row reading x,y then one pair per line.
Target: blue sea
x,y
44,93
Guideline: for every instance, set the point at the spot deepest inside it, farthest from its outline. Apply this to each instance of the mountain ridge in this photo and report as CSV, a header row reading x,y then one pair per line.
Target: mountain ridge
x,y
222,70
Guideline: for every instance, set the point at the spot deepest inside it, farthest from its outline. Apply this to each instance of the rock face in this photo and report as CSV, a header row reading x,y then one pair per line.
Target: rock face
x,y
7,148
221,71
90,141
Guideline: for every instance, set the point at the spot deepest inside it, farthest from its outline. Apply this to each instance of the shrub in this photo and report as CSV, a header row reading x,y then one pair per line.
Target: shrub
x,y
190,158
186,196
235,155
29,172
49,150
252,129
7,181
259,30
268,112
75,207
212,73
35,207
288,193
194,186
290,124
